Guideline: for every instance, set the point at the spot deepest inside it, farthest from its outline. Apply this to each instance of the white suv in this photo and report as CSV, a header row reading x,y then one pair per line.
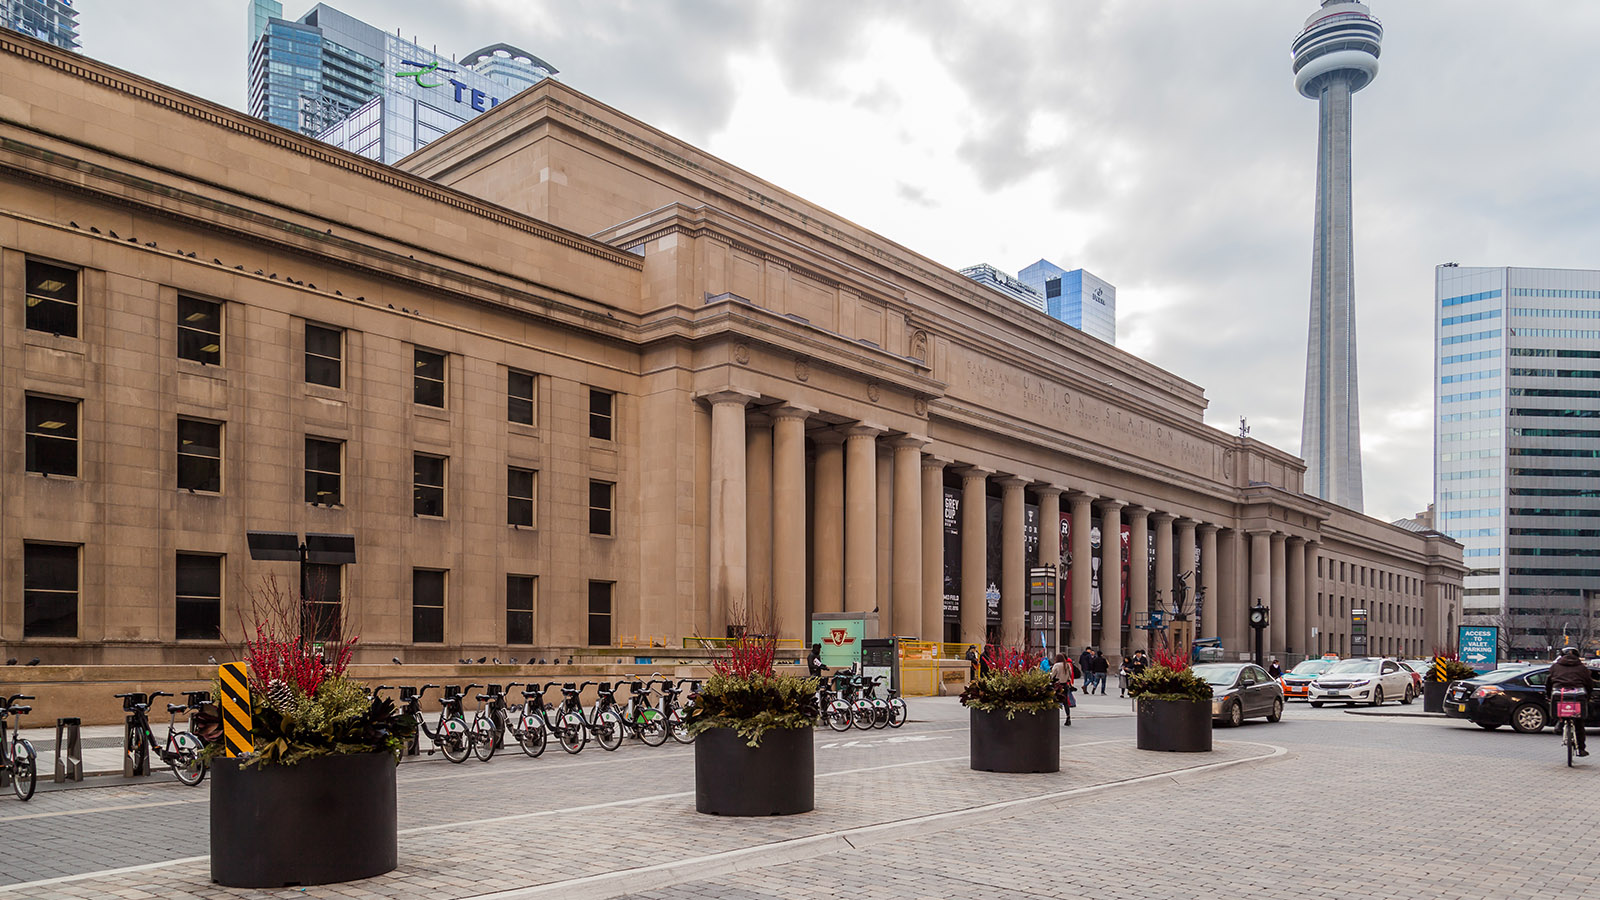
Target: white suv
x,y
1370,680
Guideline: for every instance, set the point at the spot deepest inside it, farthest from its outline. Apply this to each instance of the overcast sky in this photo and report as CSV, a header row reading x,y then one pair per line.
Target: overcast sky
x,y
1158,144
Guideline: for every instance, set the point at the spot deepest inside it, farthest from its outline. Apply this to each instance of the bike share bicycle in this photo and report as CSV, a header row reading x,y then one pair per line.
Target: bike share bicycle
x,y
490,723
18,762
450,735
644,721
182,749
1567,706
677,716
891,711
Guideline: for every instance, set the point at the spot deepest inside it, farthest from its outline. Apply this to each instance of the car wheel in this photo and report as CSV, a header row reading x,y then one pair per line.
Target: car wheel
x,y
1277,711
1409,696
1316,704
1234,714
1529,718
1377,697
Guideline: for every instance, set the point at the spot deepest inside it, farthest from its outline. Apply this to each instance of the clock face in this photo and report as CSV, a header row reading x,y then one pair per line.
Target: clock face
x,y
1257,617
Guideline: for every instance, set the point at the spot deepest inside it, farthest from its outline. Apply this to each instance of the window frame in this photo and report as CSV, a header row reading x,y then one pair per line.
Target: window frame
x,y
195,599
607,418
532,583
200,355
313,497
516,502
32,588
32,438
199,459
418,486
606,617
34,301
318,603
420,382
322,358
608,510
434,612
514,400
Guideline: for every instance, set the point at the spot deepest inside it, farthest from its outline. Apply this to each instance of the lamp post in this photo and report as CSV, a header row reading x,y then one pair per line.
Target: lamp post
x,y
323,549
1258,621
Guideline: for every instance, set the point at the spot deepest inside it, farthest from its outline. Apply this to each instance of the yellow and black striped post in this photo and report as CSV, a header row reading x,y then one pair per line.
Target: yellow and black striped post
x,y
1438,668
236,740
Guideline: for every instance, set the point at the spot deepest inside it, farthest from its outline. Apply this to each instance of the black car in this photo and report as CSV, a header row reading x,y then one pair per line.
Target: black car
x,y
1512,697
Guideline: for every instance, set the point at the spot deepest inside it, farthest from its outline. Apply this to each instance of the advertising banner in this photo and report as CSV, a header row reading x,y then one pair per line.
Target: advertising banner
x,y
1127,556
952,554
1064,578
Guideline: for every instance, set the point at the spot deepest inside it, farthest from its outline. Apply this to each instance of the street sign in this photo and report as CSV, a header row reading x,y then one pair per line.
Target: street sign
x,y
840,635
1479,646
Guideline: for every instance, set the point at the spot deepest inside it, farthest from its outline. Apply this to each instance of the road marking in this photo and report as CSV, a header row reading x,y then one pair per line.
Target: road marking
x,y
103,873
99,809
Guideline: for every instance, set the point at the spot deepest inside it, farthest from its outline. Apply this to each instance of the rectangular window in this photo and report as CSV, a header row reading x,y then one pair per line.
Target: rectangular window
x,y
427,606
52,298
519,398
199,601
324,355
428,485
324,471
200,330
601,404
51,436
49,590
428,384
601,496
519,496
600,613
324,601
1052,288
519,608
199,456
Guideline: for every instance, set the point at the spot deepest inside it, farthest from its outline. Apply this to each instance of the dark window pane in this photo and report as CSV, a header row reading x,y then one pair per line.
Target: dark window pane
x,y
519,497
428,485
199,455
600,405
49,590
199,575
429,378
52,436
199,330
325,593
599,631
519,512
519,398
324,355
324,467
427,606
600,598
198,620
519,609
199,597
52,299
600,493
1052,288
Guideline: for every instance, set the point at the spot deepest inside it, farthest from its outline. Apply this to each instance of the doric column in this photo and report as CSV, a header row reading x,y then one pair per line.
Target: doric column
x,y
1210,624
827,559
789,520
1013,552
1312,618
1082,626
861,518
1138,575
1232,574
1280,598
1111,578
1164,566
1261,585
728,581
1050,542
932,548
907,602
758,518
884,505
974,554
1295,635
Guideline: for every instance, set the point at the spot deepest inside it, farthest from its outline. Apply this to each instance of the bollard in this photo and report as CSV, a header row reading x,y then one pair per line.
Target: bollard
x,y
69,750
135,750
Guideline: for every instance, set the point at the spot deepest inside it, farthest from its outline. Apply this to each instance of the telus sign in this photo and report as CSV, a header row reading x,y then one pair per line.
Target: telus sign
x,y
425,73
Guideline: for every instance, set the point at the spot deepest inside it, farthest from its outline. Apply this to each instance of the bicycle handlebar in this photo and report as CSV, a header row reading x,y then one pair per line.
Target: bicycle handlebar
x,y
17,697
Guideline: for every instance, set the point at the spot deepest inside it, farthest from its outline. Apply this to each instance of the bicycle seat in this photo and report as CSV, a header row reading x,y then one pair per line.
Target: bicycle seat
x,y
176,707
484,698
19,710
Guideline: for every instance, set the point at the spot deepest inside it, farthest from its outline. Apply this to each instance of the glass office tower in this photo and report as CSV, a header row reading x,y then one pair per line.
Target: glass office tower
x,y
1517,448
48,20
1076,297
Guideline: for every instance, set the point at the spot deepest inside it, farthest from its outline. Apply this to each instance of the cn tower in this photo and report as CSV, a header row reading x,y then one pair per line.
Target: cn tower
x,y
1334,56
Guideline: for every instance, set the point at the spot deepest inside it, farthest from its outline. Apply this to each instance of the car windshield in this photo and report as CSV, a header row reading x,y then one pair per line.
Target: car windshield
x,y
1218,676
1312,667
1354,667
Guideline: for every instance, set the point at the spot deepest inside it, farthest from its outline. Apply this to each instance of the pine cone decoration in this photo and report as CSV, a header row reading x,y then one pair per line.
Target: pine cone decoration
x,y
280,697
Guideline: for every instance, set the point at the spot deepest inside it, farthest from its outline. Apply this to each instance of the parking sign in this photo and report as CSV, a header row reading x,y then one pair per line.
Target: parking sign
x,y
1479,646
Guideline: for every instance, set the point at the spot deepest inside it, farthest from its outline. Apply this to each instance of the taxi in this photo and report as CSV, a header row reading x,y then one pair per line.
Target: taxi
x,y
1297,681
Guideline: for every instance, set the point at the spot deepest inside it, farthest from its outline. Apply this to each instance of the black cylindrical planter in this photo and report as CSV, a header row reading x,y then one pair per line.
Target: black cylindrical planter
x,y
1433,695
775,778
325,819
1181,726
1027,742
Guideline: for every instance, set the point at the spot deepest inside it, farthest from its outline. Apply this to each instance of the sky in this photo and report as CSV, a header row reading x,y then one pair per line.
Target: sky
x,y
1156,143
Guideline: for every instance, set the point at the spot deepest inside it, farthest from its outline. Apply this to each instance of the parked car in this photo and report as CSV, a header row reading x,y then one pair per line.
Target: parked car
x,y
1511,696
1297,681
1371,680
1418,674
1241,691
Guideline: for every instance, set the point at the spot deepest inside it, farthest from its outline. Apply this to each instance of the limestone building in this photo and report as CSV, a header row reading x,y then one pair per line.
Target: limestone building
x,y
572,382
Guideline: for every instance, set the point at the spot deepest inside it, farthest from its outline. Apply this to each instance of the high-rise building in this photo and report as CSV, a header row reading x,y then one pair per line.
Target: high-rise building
x,y
1076,297
1334,56
983,273
1517,447
48,20
335,77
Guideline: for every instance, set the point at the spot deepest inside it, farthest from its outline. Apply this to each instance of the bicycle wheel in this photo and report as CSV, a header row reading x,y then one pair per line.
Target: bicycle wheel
x,y
837,715
574,732
651,727
483,735
897,712
678,728
1568,738
533,736
454,739
861,714
880,714
608,730
185,758
24,769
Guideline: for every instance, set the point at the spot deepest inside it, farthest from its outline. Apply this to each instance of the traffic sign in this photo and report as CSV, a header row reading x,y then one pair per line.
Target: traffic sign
x,y
1479,646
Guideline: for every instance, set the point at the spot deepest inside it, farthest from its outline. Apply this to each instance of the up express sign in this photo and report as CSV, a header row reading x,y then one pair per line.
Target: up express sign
x,y
430,75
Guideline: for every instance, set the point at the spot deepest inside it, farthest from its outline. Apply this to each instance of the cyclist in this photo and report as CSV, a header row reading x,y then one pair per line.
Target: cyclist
x,y
814,665
1568,671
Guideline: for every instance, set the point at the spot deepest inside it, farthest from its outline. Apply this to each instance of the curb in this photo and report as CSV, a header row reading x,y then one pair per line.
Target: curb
x,y
655,877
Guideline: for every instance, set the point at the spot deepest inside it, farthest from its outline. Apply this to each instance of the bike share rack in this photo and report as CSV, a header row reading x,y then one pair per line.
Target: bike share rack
x,y
69,749
413,748
134,763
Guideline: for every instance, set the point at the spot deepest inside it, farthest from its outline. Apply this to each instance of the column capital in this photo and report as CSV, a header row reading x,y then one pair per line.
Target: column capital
x,y
1082,496
728,395
1208,528
791,411
1279,537
1259,532
1187,522
826,436
1296,539
863,430
975,472
1135,511
930,461
1014,481
1161,517
914,441
1045,488
1108,503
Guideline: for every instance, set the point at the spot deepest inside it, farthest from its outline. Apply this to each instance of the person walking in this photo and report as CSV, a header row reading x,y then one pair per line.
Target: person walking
x,y
1063,672
1101,667
814,666
1123,671
971,657
1138,664
1273,669
1085,670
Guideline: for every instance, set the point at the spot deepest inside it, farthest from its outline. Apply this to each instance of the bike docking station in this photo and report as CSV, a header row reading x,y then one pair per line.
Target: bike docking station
x,y
135,750
69,749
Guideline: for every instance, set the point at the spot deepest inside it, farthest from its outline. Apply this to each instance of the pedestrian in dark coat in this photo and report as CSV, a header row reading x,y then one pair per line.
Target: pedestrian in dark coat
x,y
1086,668
1101,666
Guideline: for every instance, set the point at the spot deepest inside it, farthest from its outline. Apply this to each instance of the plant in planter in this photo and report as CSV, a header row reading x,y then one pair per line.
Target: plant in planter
x,y
1433,688
1013,717
753,752
315,803
1172,705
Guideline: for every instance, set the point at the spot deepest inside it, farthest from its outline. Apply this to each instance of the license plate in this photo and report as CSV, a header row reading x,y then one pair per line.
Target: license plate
x,y
1461,707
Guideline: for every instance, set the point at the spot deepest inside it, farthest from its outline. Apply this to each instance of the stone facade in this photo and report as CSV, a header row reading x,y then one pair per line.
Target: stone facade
x,y
775,401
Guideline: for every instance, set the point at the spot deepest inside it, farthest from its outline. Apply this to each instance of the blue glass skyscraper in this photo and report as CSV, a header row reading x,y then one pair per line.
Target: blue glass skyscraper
x,y
1076,297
